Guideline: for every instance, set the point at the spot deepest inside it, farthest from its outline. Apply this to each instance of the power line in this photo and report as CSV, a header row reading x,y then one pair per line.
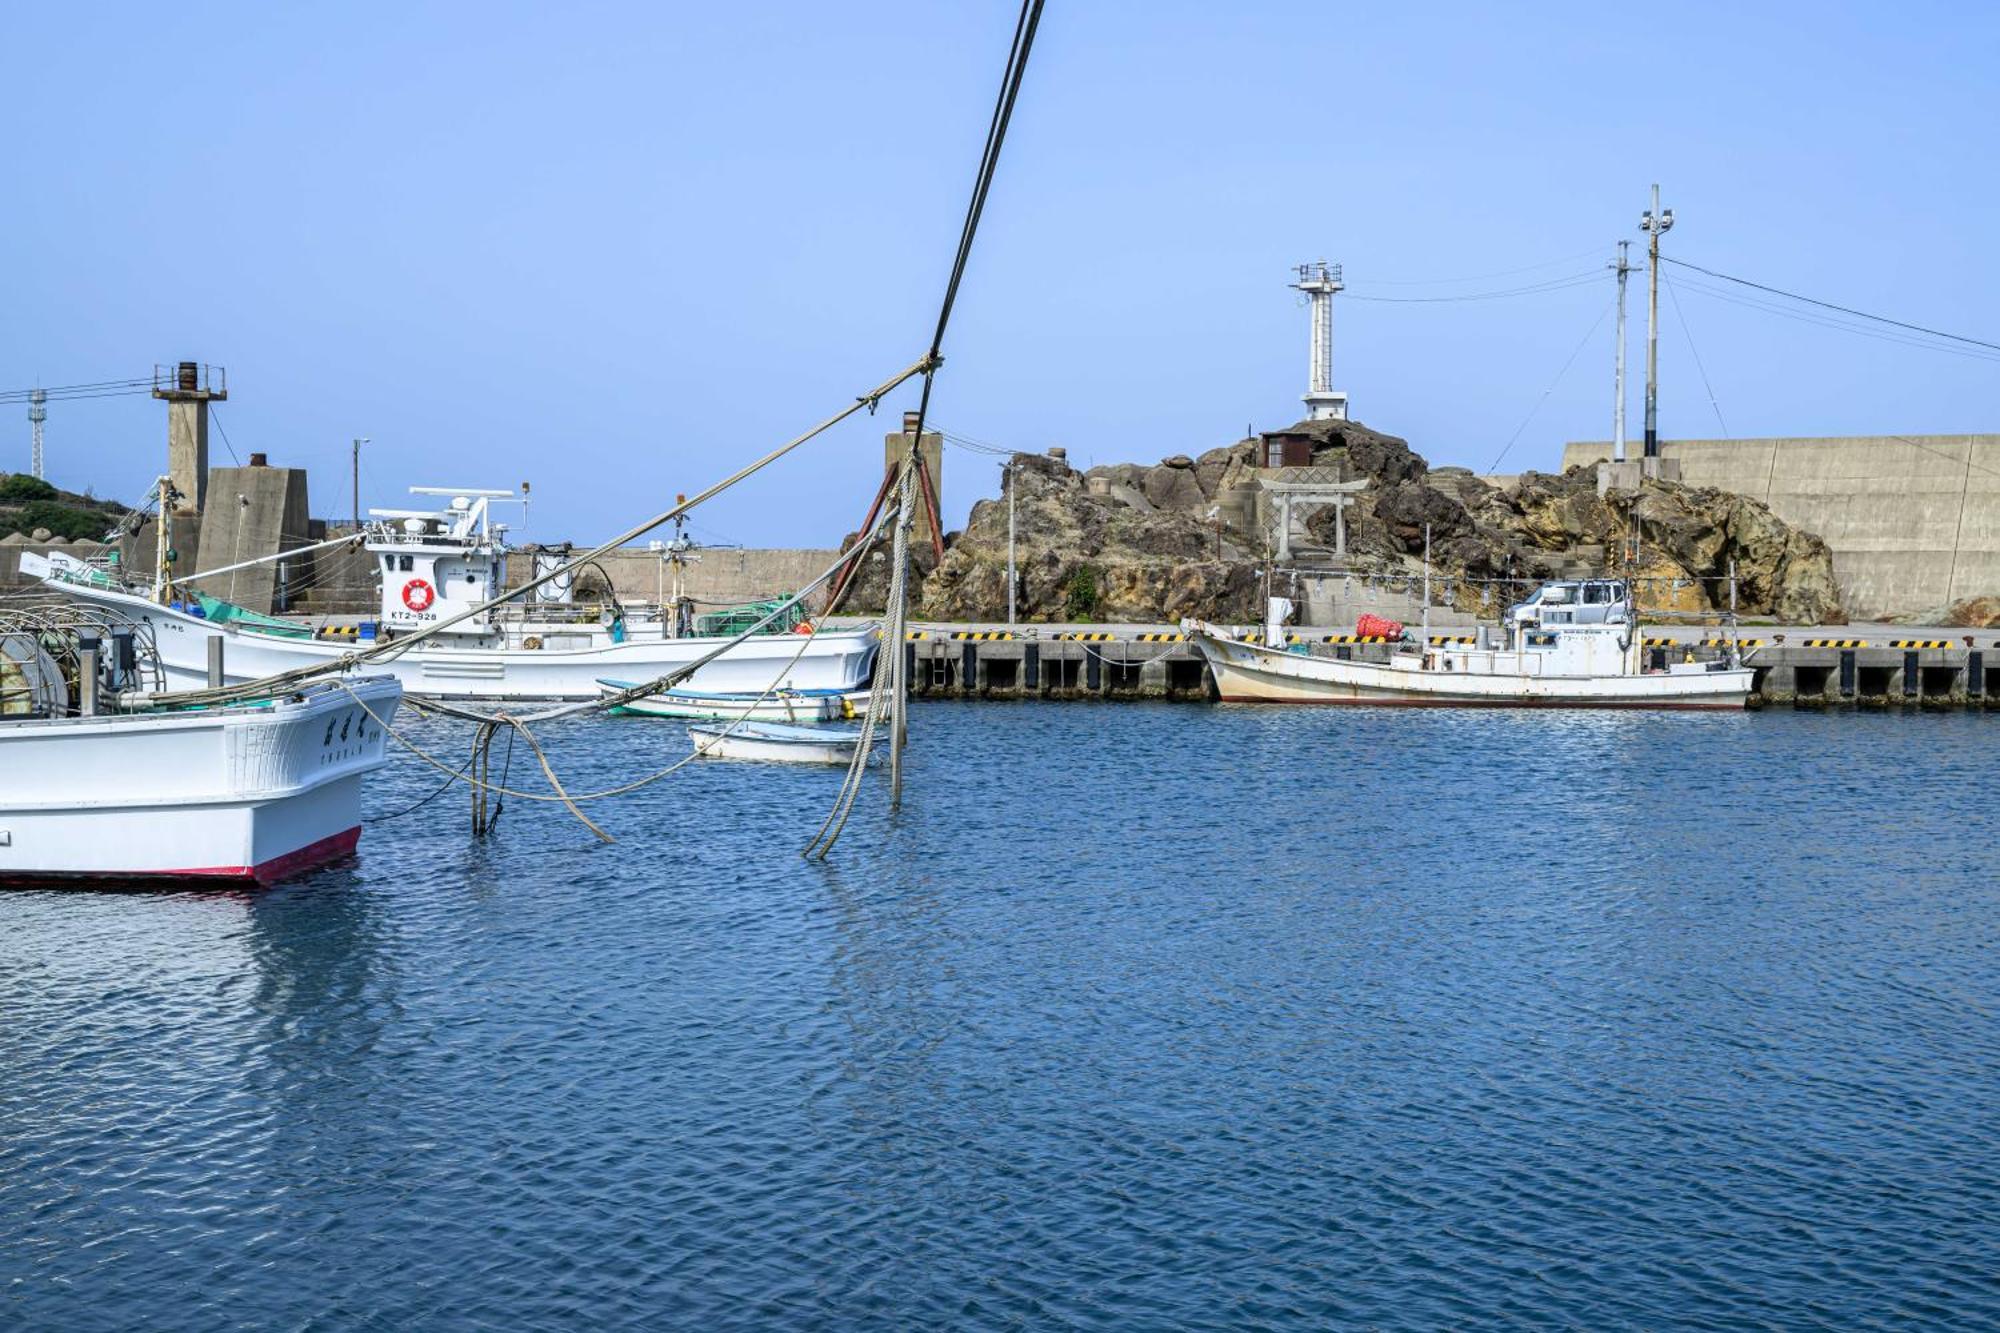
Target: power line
x,y
1696,353
1532,289
1480,277
1832,322
1845,310
1578,351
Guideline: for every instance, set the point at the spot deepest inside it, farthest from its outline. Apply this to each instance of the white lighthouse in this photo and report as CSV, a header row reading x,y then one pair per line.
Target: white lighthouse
x,y
1319,281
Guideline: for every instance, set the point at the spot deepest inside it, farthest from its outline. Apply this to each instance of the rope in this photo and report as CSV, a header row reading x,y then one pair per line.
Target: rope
x,y
893,635
480,785
395,648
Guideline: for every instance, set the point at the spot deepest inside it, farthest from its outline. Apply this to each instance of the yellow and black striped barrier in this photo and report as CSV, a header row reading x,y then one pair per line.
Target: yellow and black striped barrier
x,y
1836,643
339,631
1659,643
1357,638
1454,638
1740,643
1920,643
916,634
1160,638
983,635
1083,636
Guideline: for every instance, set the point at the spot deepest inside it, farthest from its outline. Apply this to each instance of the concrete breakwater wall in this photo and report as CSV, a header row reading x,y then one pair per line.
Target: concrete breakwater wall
x,y
1809,668
721,576
1913,521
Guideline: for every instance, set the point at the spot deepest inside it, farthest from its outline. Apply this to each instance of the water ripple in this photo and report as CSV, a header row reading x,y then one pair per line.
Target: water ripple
x,y
1135,1017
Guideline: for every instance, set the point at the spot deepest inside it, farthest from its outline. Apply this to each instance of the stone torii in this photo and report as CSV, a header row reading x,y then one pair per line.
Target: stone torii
x,y
1293,496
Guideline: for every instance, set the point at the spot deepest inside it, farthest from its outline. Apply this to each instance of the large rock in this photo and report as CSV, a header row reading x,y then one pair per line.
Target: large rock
x,y
1131,542
1083,554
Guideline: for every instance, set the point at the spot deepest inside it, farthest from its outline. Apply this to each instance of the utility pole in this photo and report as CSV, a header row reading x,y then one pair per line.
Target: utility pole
x,y
1653,223
1008,468
357,481
1618,410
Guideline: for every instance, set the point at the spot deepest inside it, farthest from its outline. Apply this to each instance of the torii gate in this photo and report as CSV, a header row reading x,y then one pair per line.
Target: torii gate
x,y
1294,496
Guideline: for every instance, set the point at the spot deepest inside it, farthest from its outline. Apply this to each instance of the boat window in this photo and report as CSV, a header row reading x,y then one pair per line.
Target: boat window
x,y
405,563
1597,592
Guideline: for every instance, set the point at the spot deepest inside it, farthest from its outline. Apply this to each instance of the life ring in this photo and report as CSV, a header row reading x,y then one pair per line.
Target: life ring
x,y
803,627
418,595
532,642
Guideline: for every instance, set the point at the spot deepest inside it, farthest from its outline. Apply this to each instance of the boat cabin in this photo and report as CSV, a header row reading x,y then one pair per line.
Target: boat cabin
x,y
436,563
1575,602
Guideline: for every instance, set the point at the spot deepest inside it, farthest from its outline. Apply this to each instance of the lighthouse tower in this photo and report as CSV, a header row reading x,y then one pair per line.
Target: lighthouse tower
x,y
1319,281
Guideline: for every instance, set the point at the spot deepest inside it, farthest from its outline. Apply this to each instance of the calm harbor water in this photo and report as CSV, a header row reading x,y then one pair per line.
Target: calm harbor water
x,y
1138,1017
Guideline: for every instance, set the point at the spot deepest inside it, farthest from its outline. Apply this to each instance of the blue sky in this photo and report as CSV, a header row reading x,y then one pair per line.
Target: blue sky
x,y
616,250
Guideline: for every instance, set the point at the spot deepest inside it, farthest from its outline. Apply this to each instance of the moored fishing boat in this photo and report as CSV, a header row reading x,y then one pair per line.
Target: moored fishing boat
x,y
251,792
1556,651
436,565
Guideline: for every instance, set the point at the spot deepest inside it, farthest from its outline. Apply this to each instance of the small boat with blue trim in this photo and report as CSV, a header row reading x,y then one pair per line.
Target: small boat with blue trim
x,y
802,706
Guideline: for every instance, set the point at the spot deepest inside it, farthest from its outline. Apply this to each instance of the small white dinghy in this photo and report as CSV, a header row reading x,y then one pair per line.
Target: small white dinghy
x,y
777,741
775,706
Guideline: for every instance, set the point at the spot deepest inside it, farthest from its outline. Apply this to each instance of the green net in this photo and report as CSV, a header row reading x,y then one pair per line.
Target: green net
x,y
734,620
228,613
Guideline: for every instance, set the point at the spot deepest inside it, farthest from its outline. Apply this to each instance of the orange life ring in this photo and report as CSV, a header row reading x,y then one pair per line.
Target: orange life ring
x,y
803,627
418,595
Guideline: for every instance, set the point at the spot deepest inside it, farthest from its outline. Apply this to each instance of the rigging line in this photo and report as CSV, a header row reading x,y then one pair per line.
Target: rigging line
x,y
996,135
1845,310
1839,325
1534,289
1696,353
1481,277
1581,344
216,417
397,647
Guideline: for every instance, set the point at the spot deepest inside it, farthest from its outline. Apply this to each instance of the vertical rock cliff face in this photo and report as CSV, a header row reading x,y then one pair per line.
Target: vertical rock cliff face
x,y
1140,543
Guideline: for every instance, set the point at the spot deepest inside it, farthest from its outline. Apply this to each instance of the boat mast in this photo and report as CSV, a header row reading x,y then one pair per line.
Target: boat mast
x,y
1426,630
163,532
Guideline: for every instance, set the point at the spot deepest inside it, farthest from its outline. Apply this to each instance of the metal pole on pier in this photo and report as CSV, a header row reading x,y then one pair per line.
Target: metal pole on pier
x,y
898,632
1653,223
1426,630
356,469
1009,468
1618,409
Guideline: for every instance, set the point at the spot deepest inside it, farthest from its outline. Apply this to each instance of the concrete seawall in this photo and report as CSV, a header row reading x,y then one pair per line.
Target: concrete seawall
x,y
1883,667
722,575
1913,520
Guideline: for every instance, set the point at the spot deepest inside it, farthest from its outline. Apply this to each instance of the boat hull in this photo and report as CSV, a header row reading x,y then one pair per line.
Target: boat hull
x,y
774,743
839,660
1252,673
788,706
249,795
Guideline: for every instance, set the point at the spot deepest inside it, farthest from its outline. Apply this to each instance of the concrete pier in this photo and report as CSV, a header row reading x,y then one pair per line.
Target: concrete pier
x,y
1876,667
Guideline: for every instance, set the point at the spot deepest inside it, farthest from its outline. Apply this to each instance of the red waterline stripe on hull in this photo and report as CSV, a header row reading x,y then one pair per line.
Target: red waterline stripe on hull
x,y
279,867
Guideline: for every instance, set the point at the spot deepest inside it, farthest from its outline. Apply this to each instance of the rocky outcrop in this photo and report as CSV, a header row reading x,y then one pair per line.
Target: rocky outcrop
x,y
1131,542
1973,613
1115,543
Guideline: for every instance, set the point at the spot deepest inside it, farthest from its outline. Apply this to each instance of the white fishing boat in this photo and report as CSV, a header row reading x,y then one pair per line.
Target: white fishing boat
x,y
1554,651
434,564
250,792
801,706
777,742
